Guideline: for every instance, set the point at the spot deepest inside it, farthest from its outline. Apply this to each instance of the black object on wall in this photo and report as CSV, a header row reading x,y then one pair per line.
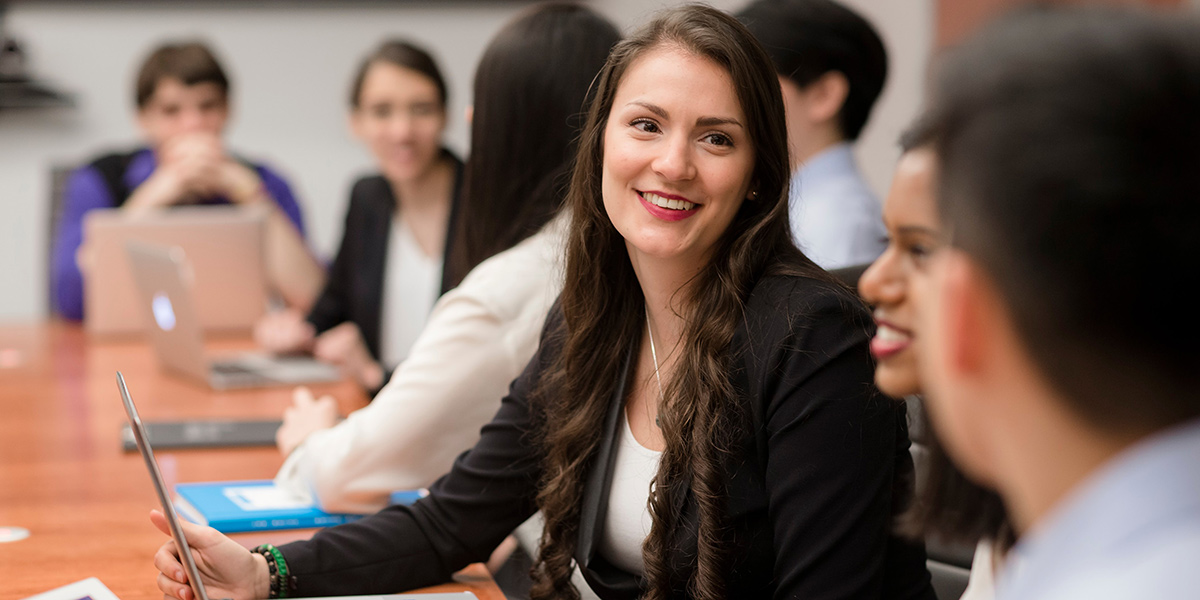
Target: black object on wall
x,y
17,88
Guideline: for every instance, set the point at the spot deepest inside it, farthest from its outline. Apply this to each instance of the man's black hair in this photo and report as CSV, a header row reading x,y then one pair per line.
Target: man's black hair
x,y
1069,142
809,38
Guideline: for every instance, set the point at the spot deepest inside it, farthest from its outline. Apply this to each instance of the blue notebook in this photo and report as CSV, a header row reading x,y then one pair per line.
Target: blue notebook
x,y
259,505
255,505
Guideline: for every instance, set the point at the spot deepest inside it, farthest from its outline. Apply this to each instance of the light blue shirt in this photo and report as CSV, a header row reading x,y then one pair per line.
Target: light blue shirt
x,y
836,219
1129,532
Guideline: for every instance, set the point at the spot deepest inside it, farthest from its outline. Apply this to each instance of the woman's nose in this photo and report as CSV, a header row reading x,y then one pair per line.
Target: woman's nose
x,y
882,283
675,163
400,126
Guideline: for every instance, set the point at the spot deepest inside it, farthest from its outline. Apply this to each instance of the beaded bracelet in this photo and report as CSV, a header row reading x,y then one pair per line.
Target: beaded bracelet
x,y
281,583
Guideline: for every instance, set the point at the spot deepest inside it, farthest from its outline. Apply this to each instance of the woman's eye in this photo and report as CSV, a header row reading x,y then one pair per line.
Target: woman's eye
x,y
920,253
718,139
645,125
381,111
423,110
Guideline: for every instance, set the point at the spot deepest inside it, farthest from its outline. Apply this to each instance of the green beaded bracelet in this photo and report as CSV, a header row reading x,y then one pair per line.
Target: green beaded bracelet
x,y
277,567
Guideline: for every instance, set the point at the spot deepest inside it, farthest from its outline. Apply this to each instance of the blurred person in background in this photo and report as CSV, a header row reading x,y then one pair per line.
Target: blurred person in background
x,y
832,66
388,269
183,108
1058,360
530,92
948,505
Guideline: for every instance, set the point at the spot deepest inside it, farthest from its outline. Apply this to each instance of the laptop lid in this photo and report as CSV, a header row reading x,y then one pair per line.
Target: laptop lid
x,y
143,444
225,244
165,300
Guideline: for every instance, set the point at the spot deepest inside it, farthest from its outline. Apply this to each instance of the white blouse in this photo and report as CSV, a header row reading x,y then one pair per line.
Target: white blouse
x,y
410,287
981,585
479,338
628,521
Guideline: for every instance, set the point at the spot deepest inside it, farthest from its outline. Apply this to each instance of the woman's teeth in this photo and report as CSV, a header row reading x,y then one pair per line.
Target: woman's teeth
x,y
661,202
886,334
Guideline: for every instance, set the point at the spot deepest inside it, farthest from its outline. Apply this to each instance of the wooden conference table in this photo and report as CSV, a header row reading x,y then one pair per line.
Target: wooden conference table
x,y
85,503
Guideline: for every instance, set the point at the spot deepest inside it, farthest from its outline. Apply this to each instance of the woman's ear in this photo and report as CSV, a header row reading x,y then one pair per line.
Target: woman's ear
x,y
752,194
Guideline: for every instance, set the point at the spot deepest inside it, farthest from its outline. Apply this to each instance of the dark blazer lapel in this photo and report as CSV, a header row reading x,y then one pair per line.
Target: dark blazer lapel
x,y
595,494
375,245
456,201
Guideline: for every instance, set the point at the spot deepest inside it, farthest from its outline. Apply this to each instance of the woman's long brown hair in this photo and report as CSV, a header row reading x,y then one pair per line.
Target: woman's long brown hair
x,y
604,312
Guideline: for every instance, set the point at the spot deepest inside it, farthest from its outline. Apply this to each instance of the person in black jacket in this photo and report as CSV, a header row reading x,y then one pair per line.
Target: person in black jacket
x,y
388,270
699,420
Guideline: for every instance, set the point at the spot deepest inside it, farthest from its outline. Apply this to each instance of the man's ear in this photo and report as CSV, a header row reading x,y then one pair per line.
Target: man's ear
x,y
142,118
969,315
826,96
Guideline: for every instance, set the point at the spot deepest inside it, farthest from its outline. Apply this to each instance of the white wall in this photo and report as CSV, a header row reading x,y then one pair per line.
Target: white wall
x,y
290,62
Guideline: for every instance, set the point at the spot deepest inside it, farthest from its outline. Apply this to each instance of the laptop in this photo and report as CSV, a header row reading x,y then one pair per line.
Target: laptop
x,y
185,552
204,433
166,297
226,246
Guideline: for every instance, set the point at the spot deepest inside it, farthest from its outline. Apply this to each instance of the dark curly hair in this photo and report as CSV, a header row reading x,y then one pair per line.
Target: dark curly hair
x,y
604,313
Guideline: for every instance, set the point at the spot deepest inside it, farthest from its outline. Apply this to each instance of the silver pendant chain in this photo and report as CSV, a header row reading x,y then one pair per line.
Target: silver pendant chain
x,y
654,355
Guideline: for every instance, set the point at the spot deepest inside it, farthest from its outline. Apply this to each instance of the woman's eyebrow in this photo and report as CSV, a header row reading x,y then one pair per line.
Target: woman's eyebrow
x,y
713,121
654,108
701,122
919,230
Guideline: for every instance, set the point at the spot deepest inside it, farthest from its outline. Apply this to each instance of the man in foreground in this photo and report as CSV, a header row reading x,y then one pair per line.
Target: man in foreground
x,y
1061,358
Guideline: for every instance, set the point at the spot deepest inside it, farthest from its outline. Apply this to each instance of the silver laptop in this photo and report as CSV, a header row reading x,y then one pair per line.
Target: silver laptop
x,y
185,552
226,247
167,300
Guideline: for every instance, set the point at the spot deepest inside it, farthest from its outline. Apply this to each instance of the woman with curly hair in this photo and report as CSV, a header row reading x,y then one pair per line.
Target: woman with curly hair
x,y
699,420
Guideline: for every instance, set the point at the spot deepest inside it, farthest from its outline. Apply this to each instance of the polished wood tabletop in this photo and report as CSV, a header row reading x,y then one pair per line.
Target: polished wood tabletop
x,y
85,502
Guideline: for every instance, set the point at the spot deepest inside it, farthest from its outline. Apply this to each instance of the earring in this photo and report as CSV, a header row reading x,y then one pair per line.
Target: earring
x,y
753,195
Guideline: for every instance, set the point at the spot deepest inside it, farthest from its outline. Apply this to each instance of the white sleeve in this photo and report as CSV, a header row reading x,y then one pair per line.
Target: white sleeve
x,y
981,584
429,412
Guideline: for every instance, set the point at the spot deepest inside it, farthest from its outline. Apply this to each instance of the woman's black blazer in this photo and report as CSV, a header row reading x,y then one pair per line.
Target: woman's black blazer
x,y
354,289
813,488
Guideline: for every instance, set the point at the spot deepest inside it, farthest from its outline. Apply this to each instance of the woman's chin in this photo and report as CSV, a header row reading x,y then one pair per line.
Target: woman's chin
x,y
896,382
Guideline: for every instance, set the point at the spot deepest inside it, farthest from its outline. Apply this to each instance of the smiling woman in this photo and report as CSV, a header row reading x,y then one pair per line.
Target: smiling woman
x,y
699,420
898,284
388,270
894,282
680,158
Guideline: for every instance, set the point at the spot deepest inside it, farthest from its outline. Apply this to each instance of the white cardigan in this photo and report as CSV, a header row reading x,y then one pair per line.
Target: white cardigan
x,y
479,338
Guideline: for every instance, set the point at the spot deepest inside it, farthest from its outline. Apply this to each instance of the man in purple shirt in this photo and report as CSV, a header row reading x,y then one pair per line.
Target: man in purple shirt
x,y
183,107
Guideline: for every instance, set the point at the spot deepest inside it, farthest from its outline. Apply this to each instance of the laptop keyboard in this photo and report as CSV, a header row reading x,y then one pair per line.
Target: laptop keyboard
x,y
229,368
237,375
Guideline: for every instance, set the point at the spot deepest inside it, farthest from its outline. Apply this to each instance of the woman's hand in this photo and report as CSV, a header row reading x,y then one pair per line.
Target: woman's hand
x,y
305,416
343,346
228,570
284,332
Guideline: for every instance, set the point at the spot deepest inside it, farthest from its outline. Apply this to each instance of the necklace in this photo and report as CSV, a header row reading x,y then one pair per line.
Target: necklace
x,y
654,355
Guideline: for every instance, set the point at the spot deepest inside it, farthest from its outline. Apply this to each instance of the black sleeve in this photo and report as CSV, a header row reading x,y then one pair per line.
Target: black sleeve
x,y
830,445
333,305
489,491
